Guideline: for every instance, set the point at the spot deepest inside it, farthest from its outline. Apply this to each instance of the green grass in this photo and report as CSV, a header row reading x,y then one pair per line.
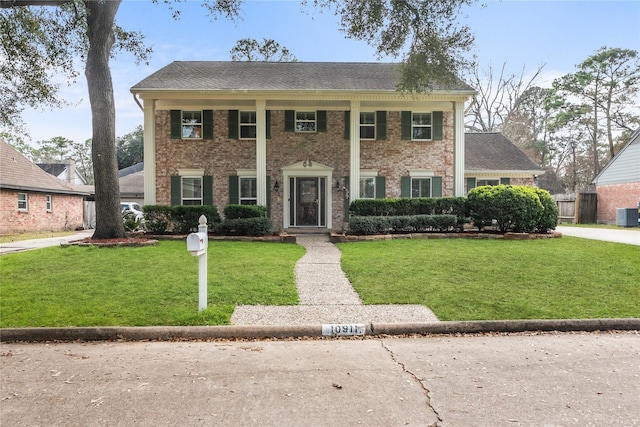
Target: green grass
x,y
496,279
157,285
609,226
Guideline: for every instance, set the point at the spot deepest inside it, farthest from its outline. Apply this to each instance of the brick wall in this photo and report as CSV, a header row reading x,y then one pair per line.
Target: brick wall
x,y
221,156
613,196
66,213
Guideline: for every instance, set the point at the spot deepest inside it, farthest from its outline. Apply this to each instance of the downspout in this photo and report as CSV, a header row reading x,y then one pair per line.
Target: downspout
x,y
138,102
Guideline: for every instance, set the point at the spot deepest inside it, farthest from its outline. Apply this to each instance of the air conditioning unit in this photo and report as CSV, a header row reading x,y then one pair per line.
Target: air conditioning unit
x,y
627,217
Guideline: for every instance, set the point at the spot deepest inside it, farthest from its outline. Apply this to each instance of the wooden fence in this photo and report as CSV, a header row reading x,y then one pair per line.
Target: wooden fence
x,y
582,209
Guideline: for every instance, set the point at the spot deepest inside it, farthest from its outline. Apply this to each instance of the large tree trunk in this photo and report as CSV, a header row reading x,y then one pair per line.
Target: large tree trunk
x,y
100,20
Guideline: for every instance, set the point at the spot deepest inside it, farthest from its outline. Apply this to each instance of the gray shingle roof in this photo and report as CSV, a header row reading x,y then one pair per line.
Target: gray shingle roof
x,y
19,173
275,76
489,151
132,185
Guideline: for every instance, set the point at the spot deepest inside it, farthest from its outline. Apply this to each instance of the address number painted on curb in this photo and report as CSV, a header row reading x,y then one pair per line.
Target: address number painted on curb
x,y
343,330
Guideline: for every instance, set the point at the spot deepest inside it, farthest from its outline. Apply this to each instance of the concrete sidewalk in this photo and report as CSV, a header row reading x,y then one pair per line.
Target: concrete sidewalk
x,y
630,236
497,380
26,245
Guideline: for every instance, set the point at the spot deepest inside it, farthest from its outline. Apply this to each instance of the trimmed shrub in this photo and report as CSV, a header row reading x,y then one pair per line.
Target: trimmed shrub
x,y
245,227
185,218
157,218
244,211
366,225
549,219
408,206
514,208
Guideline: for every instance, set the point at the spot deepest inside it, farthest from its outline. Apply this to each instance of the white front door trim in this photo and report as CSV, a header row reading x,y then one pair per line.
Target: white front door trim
x,y
302,169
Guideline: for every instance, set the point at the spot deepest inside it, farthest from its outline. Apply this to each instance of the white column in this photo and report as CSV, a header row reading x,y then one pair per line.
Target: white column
x,y
354,161
149,152
458,149
261,151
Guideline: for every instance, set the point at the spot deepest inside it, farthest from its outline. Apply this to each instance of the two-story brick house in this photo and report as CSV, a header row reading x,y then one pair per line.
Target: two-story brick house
x,y
302,138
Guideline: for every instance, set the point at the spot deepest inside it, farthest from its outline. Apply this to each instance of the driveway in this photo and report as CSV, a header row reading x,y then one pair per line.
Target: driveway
x,y
630,236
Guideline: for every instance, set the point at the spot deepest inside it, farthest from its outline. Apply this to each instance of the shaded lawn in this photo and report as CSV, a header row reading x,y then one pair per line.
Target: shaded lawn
x,y
496,279
145,286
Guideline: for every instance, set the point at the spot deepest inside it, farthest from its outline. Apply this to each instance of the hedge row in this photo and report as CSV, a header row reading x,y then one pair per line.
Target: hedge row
x,y
408,206
240,220
364,225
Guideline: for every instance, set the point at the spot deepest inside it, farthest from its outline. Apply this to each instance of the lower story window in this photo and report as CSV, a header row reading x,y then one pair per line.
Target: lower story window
x,y
191,190
420,187
368,188
49,203
248,191
23,202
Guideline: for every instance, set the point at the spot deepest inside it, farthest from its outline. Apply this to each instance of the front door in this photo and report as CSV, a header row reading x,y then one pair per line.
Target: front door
x,y
308,202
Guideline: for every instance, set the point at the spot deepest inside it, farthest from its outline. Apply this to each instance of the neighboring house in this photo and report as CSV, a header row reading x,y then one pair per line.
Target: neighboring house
x,y
64,171
492,159
33,200
132,183
618,184
302,138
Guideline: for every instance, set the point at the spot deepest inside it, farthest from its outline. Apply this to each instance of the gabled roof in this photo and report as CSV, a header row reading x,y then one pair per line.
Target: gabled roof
x,y
492,151
19,173
624,167
131,169
54,169
132,185
275,76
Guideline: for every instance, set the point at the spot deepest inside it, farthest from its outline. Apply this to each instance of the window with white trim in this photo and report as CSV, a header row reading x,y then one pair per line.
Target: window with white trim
x,y
306,121
191,190
420,187
367,125
481,182
421,126
192,124
367,187
23,202
49,202
248,191
248,125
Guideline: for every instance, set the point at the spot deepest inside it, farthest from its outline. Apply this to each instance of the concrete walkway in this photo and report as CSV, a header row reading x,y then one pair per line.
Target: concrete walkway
x,y
630,236
326,296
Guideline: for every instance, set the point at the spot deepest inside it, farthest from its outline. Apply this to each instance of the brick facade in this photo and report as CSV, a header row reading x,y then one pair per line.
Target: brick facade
x,y
221,157
614,196
66,213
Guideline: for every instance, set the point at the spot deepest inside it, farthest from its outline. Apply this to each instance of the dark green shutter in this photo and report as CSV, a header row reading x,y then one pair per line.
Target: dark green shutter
x,y
381,125
176,190
268,196
268,119
321,119
207,124
437,118
505,181
207,190
380,190
234,123
234,190
405,186
176,124
436,186
289,120
405,120
347,125
345,199
471,184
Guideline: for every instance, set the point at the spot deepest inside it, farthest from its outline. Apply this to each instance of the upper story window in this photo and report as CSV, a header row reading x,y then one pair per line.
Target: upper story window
x,y
49,202
192,124
23,202
306,121
368,125
248,129
248,191
191,190
421,126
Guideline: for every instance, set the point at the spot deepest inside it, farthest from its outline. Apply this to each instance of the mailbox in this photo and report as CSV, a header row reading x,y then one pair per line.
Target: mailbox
x,y
197,243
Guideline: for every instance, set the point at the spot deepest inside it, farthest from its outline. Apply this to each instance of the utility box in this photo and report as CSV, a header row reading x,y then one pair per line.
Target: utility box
x,y
197,243
627,217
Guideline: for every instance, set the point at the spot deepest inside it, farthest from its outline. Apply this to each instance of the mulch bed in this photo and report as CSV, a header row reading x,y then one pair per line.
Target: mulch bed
x,y
110,243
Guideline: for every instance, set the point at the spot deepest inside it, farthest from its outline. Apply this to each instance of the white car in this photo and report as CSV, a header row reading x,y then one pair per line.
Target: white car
x,y
133,207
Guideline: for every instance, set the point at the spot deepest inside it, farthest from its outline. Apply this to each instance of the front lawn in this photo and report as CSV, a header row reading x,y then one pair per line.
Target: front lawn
x,y
497,279
155,285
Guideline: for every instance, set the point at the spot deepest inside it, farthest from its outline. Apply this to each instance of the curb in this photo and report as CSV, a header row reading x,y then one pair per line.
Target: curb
x,y
167,333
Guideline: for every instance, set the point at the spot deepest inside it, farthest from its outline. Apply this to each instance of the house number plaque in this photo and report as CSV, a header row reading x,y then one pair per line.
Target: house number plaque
x,y
343,330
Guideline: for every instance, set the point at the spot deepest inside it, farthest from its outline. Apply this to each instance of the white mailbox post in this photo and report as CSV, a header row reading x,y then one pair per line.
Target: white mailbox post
x,y
197,244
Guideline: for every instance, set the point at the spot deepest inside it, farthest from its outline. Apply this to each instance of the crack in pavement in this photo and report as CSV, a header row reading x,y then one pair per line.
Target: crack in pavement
x,y
426,391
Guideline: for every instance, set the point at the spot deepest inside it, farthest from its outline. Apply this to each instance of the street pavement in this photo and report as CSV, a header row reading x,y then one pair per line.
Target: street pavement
x,y
566,379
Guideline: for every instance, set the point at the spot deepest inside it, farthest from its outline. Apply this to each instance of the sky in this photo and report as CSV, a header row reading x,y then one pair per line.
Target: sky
x,y
523,34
